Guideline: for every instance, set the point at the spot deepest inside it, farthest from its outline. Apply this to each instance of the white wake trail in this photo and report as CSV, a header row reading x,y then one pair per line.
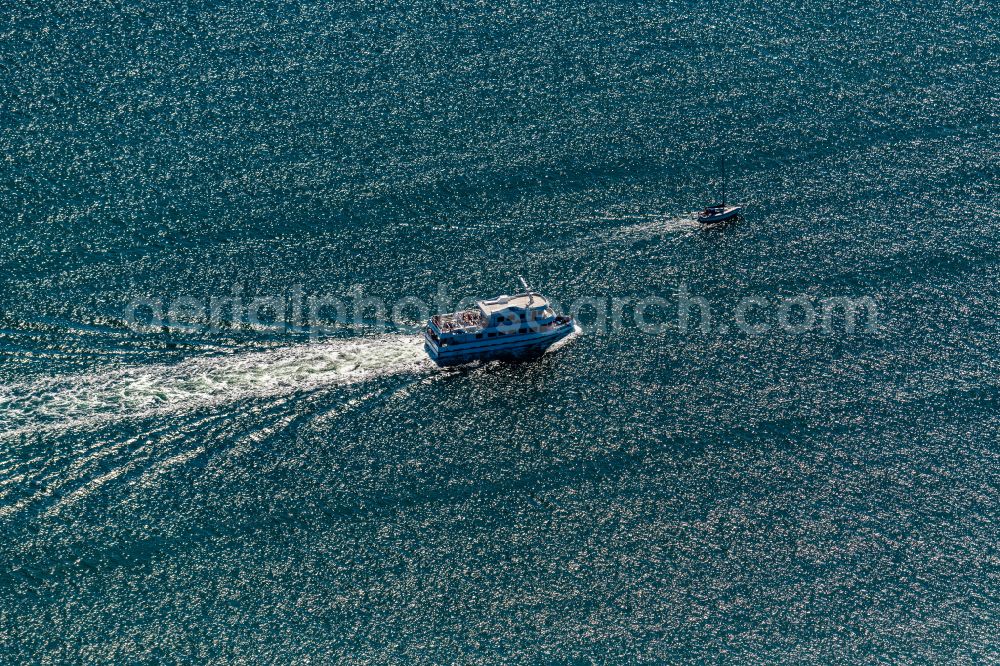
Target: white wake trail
x,y
656,226
140,391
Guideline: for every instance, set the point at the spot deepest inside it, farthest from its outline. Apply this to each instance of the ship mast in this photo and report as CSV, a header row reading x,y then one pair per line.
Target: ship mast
x,y
723,181
527,290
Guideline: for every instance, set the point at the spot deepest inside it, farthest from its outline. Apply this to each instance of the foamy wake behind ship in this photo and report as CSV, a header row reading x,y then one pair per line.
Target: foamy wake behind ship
x,y
507,327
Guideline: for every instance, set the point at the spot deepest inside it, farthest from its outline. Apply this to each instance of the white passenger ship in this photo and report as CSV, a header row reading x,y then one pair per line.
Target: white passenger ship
x,y
518,326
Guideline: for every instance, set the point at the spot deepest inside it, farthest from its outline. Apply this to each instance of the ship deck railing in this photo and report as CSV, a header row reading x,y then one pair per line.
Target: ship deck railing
x,y
459,322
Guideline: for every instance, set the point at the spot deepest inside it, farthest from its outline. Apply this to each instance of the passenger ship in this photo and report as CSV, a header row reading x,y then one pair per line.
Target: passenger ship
x,y
518,326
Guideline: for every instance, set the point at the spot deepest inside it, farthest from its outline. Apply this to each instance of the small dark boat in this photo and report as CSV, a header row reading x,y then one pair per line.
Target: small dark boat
x,y
720,212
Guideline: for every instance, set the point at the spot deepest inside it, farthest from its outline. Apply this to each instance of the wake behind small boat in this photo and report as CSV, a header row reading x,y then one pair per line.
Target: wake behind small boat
x,y
507,327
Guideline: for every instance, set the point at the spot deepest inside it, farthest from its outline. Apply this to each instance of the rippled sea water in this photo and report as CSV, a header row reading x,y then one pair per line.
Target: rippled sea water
x,y
695,496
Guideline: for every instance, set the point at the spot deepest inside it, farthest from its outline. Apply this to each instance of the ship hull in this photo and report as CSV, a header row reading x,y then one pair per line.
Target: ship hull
x,y
724,215
507,347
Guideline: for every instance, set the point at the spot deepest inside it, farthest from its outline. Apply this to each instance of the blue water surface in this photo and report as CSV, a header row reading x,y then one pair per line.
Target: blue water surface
x,y
709,495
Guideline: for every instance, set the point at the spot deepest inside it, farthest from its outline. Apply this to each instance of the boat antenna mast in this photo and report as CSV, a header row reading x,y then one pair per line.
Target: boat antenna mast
x,y
527,290
723,181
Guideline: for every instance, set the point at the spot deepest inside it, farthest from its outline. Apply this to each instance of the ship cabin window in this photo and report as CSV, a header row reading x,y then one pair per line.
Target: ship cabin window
x,y
479,336
492,335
